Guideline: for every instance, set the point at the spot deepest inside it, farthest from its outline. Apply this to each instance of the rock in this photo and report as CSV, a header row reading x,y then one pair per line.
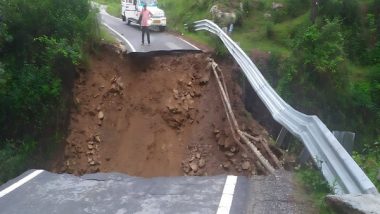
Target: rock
x,y
186,168
92,163
89,159
233,161
202,163
172,106
99,123
175,91
98,108
197,93
354,203
90,146
233,149
90,142
277,5
114,89
97,138
246,165
198,155
229,154
205,78
267,15
120,83
101,115
189,83
217,135
194,167
185,107
77,100
244,155
226,165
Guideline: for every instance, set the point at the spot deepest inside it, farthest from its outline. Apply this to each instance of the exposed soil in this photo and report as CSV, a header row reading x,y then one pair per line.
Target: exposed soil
x,y
155,116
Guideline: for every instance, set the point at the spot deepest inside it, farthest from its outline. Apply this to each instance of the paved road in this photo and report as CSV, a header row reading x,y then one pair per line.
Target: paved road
x,y
40,192
131,37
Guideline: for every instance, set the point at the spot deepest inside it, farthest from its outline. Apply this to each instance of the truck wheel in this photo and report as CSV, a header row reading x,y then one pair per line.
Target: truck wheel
x,y
162,28
128,22
123,18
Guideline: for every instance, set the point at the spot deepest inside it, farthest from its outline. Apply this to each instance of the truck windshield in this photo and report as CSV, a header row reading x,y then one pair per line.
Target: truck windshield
x,y
151,3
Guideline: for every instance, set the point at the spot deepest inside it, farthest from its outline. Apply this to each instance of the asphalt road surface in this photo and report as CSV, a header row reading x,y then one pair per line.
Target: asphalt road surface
x,y
131,37
40,192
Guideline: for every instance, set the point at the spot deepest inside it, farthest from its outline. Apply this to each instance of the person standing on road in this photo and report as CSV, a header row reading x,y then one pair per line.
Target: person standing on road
x,y
145,16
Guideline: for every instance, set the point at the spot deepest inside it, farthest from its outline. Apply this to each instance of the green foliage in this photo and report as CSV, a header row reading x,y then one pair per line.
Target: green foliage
x,y
36,37
347,10
314,67
317,186
296,8
369,160
320,48
60,48
113,6
13,158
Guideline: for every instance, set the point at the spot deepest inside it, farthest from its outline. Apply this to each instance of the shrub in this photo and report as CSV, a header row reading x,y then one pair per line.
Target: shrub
x,y
295,8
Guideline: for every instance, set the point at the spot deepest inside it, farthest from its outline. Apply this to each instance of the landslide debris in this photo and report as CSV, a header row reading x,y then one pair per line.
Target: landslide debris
x,y
156,116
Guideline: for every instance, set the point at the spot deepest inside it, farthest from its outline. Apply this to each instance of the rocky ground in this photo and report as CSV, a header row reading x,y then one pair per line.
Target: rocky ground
x,y
156,116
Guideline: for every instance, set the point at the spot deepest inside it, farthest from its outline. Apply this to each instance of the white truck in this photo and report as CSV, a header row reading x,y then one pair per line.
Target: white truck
x,y
131,9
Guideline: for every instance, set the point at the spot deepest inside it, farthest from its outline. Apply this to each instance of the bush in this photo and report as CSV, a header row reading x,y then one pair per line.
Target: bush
x,y
347,10
32,47
296,8
13,158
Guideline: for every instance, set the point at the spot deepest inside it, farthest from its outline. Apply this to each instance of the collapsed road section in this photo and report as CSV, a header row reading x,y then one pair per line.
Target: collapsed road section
x,y
158,116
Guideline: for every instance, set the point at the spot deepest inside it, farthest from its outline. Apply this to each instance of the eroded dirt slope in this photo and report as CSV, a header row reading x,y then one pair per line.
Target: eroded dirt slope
x,y
154,116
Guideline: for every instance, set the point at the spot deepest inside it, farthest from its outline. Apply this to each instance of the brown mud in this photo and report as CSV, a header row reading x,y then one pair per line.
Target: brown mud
x,y
155,116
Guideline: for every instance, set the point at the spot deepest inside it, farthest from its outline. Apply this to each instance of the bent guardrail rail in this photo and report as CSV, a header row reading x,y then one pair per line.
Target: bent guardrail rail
x,y
339,169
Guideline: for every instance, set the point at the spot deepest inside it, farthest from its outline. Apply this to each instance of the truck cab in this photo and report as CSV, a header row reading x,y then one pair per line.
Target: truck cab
x,y
131,9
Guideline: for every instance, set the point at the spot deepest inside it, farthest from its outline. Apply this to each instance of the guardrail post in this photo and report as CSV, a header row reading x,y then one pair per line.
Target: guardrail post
x,y
281,136
346,139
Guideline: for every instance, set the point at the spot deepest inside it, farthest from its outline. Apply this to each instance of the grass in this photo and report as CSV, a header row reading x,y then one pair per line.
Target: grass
x,y
106,36
316,186
113,6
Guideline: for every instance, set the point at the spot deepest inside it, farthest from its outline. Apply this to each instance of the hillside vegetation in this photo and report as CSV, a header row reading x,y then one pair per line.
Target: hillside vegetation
x,y
323,60
41,42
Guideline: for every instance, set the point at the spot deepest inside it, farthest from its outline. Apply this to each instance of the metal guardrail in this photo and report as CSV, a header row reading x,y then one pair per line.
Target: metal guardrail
x,y
339,169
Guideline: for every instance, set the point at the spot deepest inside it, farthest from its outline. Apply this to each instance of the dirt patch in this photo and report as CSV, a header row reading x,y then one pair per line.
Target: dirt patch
x,y
156,116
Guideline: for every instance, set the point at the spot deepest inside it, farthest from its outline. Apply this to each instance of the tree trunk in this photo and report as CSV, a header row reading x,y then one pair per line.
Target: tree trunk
x,y
314,10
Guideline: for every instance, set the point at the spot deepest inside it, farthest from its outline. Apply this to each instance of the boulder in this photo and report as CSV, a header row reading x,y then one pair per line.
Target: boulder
x,y
355,203
202,163
194,167
246,165
101,115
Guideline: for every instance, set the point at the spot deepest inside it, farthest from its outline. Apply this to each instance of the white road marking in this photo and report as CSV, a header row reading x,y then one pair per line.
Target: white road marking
x,y
121,36
20,182
227,195
195,47
171,45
